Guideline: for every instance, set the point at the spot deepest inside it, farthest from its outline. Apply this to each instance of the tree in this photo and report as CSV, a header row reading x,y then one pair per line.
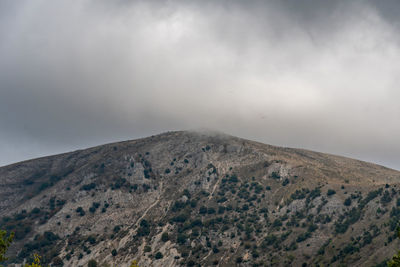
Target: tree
x,y
164,237
330,192
347,201
57,261
158,255
395,261
92,263
36,261
114,252
5,242
134,264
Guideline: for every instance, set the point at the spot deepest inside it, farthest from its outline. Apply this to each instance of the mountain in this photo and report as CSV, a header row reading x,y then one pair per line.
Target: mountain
x,y
200,199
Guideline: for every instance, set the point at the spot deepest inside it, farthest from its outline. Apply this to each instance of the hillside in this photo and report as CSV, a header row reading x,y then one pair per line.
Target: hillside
x,y
200,199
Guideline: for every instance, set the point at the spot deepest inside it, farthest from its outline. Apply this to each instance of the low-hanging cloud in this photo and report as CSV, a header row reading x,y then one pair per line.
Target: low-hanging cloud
x,y
321,75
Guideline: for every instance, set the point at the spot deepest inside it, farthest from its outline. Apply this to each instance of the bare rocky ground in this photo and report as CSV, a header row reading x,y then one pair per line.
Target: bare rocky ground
x,y
200,199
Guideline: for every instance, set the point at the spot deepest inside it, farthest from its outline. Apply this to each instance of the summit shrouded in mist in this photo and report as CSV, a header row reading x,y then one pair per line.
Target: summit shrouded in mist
x,y
320,75
279,122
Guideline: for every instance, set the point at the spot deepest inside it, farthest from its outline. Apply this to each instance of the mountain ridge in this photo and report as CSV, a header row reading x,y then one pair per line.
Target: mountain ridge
x,y
202,132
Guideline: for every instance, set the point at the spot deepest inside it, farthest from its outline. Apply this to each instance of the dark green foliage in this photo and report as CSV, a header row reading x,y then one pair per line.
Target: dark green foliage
x,y
181,218
58,262
275,175
191,263
312,228
285,182
330,192
300,194
43,186
233,179
94,207
181,238
158,255
292,246
116,229
349,249
386,198
371,195
114,252
88,187
21,223
164,237
367,238
146,174
316,192
258,189
120,182
347,201
146,187
91,239
203,210
5,243
144,229
277,223
80,211
43,245
211,211
271,239
221,209
35,211
346,220
321,250
196,222
303,236
92,263
193,203
52,203
178,205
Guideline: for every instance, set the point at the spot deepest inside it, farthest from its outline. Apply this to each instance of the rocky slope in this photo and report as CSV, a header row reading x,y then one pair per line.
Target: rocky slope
x,y
200,199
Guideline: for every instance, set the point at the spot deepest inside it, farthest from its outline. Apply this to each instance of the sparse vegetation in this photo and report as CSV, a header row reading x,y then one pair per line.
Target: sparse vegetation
x,y
275,210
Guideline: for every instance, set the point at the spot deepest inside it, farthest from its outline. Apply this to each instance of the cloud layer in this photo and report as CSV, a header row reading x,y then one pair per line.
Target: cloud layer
x,y
321,75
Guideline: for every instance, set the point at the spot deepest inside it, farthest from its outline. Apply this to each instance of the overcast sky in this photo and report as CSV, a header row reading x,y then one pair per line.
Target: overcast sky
x,y
321,75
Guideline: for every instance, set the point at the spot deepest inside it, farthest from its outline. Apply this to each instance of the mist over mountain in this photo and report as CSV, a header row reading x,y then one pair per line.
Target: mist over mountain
x,y
318,74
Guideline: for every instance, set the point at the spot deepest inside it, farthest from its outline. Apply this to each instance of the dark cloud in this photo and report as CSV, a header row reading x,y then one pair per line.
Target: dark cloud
x,y
315,74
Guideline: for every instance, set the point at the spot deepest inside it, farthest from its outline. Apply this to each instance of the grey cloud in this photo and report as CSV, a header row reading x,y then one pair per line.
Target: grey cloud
x,y
319,75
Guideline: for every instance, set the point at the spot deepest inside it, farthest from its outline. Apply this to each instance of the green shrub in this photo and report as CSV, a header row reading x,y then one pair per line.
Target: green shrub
x,y
331,192
114,252
158,255
164,237
92,263
347,201
275,175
